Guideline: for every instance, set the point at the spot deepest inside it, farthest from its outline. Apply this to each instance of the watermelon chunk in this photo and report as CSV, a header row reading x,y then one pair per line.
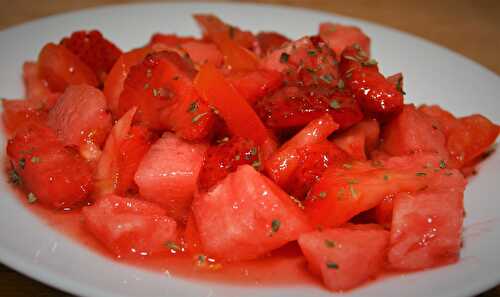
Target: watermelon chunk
x,y
130,227
426,226
345,257
168,173
246,216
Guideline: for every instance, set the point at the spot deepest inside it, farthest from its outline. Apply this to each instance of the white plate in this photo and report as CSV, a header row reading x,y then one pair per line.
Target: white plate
x,y
432,74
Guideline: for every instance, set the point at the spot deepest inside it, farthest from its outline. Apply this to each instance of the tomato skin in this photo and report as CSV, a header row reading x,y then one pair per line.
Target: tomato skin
x,y
60,68
113,85
284,162
130,227
239,116
339,37
57,176
270,41
213,26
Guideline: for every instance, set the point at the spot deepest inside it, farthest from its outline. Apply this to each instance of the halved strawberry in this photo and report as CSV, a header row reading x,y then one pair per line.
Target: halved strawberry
x,y
345,257
80,117
246,216
224,158
161,87
375,93
294,107
130,227
60,67
338,37
270,41
93,49
51,173
168,173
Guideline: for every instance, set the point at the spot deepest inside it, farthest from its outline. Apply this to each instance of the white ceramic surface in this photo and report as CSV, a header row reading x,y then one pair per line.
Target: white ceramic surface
x,y
432,74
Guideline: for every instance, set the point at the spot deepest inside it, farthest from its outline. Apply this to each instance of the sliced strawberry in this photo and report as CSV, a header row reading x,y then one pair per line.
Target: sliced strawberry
x,y
270,41
93,49
51,173
314,159
60,67
80,117
375,93
295,107
338,37
224,158
254,85
130,227
161,87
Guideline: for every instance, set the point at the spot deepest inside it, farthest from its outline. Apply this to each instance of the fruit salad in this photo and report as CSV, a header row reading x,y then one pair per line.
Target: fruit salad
x,y
235,144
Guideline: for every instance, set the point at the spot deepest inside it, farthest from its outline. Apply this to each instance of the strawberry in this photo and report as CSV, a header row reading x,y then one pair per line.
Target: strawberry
x,y
224,158
48,171
269,41
295,107
314,160
93,49
161,87
375,93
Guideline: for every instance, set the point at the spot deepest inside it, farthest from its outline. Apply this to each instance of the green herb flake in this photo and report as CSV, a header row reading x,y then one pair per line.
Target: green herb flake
x,y
201,259
448,174
14,178
275,225
197,117
146,86
173,246
253,151
354,193
175,77
386,177
334,104
332,265
193,107
256,164
371,62
399,87
311,70
284,58
326,78
311,53
232,32
32,198
329,243
341,84
22,163
35,159
420,174
442,164
322,194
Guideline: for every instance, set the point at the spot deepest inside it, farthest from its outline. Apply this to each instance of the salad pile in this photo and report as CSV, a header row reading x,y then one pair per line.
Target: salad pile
x,y
232,145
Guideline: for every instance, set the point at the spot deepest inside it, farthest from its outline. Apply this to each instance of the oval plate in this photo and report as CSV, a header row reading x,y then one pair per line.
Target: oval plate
x,y
432,74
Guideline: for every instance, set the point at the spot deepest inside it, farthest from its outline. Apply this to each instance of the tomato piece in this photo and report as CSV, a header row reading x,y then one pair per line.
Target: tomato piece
x,y
170,39
203,52
239,116
130,227
168,173
113,85
284,162
60,68
338,37
360,139
80,118
441,119
246,216
270,41
93,49
224,158
212,26
345,257
256,84
54,175
472,137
